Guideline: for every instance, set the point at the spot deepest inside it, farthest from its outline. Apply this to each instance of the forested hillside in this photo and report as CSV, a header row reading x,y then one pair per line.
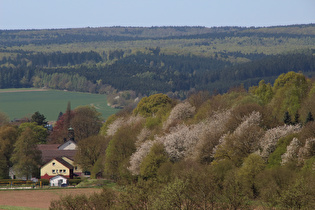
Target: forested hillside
x,y
173,60
238,150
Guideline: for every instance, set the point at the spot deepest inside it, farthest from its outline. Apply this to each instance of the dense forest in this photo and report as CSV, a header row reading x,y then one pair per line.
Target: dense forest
x,y
244,149
239,150
172,60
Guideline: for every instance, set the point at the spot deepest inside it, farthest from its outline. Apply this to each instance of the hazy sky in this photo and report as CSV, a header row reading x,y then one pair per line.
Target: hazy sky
x,y
40,14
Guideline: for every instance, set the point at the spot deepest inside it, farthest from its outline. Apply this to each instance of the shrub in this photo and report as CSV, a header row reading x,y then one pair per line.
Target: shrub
x,y
74,181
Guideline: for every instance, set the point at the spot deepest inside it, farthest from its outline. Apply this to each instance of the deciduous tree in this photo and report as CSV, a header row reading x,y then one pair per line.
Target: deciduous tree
x,y
26,157
39,131
86,122
89,150
8,137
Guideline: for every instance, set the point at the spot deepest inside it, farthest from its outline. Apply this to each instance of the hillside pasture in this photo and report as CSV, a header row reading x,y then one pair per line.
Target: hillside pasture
x,y
19,103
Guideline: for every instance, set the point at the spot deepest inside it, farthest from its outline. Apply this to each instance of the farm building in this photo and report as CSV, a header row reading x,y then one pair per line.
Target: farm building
x,y
57,166
58,159
58,181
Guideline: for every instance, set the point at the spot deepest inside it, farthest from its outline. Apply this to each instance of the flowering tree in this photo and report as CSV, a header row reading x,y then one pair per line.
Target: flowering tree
x,y
307,151
292,151
242,142
137,157
143,136
181,141
180,112
269,141
120,122
213,128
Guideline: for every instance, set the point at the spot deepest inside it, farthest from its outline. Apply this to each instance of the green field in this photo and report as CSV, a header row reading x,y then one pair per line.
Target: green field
x,y
19,103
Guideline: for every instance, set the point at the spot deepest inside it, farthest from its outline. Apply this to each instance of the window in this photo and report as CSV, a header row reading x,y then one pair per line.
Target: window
x,y
53,163
53,171
64,171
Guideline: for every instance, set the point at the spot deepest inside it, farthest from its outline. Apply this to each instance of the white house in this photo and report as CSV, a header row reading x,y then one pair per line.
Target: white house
x,y
58,180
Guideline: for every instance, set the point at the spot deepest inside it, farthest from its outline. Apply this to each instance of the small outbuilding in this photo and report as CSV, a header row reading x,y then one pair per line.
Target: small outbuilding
x,y
58,181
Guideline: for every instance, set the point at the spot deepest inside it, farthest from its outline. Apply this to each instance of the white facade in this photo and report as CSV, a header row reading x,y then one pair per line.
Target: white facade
x,y
58,180
69,145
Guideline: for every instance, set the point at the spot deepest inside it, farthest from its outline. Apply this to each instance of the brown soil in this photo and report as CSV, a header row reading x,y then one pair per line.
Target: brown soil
x,y
39,198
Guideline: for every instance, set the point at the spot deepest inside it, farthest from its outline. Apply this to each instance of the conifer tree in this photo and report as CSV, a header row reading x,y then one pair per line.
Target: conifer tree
x,y
287,118
68,116
309,118
296,118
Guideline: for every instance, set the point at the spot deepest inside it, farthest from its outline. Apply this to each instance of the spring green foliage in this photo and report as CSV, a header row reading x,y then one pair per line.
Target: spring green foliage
x,y
248,173
152,162
148,106
232,151
8,137
121,146
39,131
290,89
26,157
275,157
89,151
263,91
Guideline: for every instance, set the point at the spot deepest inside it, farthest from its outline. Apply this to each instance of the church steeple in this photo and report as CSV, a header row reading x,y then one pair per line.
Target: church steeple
x,y
71,134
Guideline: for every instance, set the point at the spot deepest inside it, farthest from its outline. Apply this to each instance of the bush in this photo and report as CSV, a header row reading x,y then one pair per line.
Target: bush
x,y
74,181
104,200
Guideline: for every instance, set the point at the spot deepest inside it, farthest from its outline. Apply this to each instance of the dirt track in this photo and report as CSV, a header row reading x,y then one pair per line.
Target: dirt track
x,y
39,198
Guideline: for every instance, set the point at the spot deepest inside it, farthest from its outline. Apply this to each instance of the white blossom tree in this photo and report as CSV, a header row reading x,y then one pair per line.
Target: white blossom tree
x,y
181,141
137,157
242,142
307,151
292,151
180,112
269,141
213,128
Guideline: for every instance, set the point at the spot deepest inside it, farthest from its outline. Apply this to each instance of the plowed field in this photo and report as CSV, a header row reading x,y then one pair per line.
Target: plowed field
x,y
39,198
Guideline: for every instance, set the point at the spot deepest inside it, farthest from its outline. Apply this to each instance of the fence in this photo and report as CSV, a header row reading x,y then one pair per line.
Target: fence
x,y
22,184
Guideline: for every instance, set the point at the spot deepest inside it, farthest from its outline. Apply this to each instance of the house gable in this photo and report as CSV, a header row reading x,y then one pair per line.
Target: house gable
x,y
68,145
56,166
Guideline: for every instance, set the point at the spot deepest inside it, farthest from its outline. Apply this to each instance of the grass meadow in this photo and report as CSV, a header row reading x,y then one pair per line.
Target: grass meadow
x,y
19,103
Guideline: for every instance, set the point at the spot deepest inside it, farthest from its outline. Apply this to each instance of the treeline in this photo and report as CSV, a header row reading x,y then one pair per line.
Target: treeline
x,y
239,150
117,34
52,59
147,73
